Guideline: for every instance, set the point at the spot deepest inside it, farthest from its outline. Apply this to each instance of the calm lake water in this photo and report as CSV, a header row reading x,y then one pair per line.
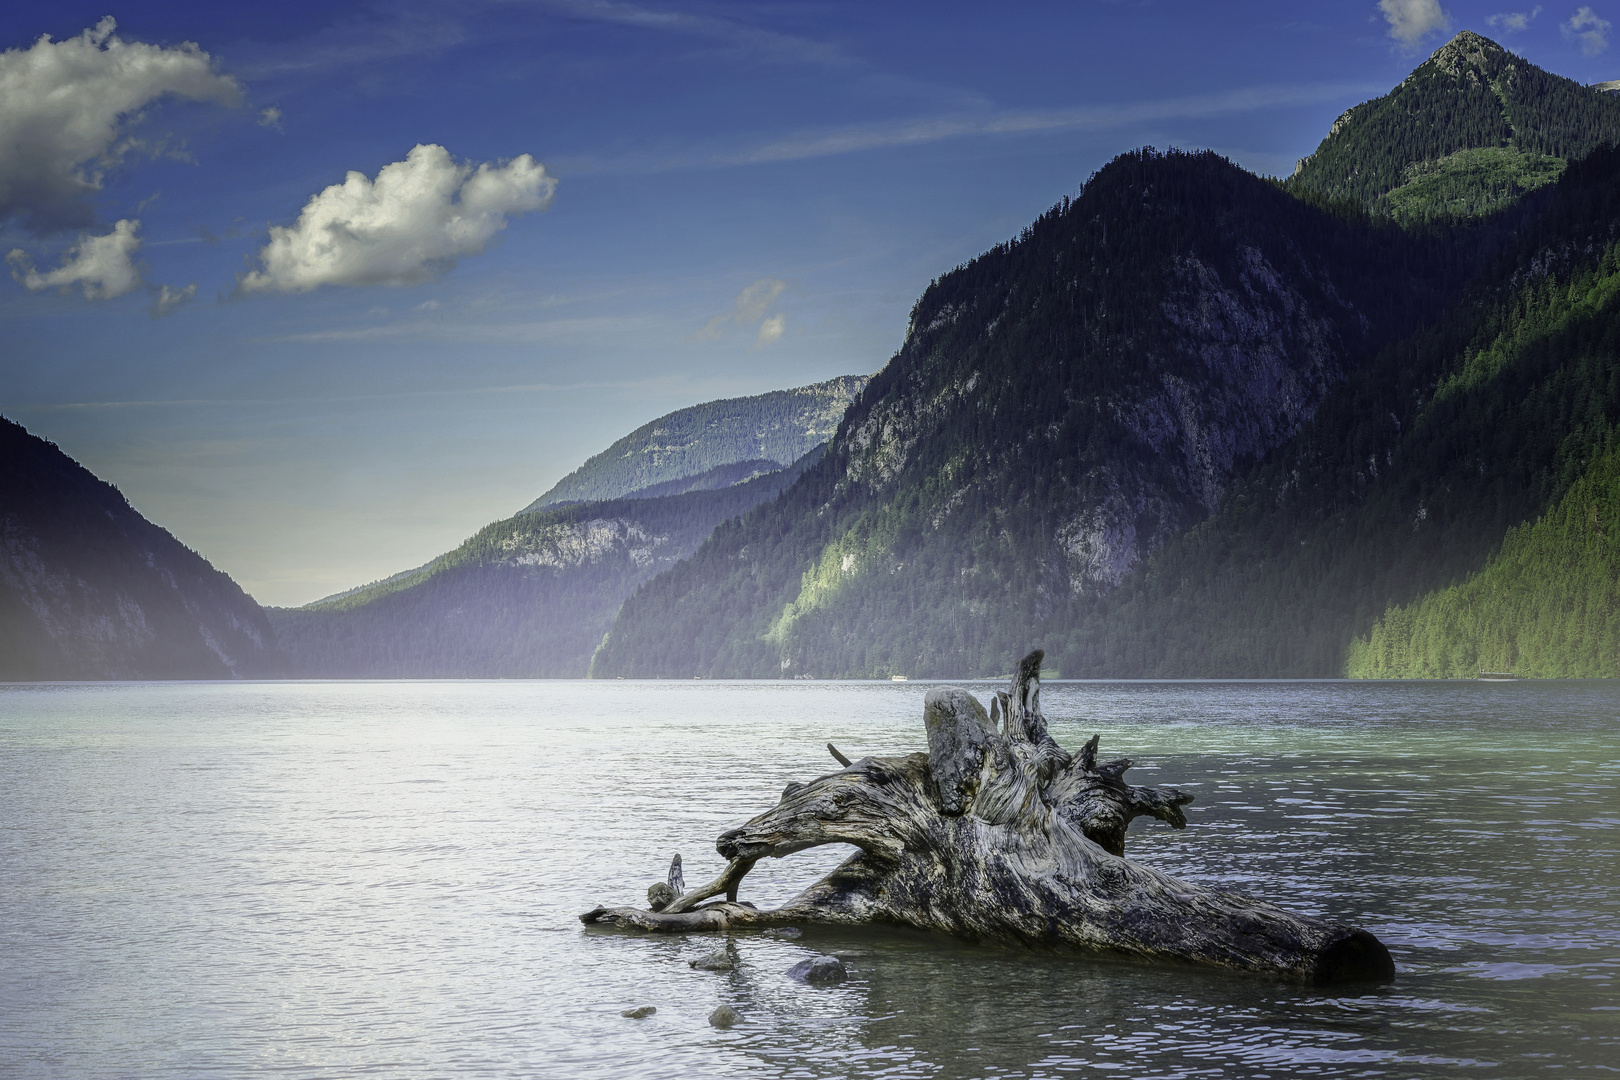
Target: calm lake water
x,y
358,879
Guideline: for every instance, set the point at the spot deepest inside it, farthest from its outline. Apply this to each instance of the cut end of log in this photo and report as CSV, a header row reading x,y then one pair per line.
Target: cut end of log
x,y
1356,957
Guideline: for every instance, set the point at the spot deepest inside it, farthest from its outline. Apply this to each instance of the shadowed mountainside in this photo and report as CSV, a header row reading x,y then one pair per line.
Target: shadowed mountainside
x,y
89,589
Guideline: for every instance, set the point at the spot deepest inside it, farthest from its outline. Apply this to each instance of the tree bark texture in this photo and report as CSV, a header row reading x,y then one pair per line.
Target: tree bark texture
x,y
999,834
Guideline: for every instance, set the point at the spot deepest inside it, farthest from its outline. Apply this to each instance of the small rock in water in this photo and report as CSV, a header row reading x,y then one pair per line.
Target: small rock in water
x,y
719,960
641,1012
819,970
660,896
724,1017
785,932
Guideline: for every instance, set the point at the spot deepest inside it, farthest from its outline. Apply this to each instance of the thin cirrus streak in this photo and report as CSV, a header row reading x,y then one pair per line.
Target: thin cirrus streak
x,y
919,131
459,391
767,43
934,129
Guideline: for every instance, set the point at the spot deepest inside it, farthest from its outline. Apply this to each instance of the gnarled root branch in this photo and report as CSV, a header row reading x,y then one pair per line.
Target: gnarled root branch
x,y
1001,835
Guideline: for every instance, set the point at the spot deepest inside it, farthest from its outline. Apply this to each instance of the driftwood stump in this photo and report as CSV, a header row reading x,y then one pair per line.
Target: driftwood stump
x,y
1002,835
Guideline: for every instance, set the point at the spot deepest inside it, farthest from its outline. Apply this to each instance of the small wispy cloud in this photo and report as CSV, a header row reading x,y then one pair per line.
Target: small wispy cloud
x,y
270,118
771,330
1513,22
750,308
1410,21
1588,28
168,299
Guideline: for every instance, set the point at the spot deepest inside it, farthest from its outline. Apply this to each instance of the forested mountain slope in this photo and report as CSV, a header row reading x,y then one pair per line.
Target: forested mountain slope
x,y
1062,406
89,589
1547,604
706,444
528,597
1409,475
1472,129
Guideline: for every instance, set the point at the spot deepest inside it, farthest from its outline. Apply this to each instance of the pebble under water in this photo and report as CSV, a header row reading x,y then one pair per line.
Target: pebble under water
x,y
384,879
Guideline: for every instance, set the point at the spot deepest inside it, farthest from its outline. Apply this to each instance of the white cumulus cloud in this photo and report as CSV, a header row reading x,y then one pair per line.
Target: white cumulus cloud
x,y
65,112
750,308
408,225
1513,22
1410,21
1590,29
103,266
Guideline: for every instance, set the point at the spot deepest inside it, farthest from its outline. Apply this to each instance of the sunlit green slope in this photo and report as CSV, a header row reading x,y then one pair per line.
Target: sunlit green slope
x,y
1547,606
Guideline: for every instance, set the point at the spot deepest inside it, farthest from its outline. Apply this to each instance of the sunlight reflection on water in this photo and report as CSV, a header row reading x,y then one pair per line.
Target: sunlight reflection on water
x,y
349,879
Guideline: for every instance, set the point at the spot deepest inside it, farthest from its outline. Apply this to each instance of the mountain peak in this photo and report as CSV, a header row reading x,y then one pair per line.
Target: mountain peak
x,y
1467,51
1472,129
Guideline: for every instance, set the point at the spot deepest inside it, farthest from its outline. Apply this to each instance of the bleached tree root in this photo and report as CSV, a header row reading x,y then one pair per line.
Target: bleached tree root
x,y
1001,835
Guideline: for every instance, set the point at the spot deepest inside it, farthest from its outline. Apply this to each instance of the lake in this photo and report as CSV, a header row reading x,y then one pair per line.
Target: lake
x,y
358,879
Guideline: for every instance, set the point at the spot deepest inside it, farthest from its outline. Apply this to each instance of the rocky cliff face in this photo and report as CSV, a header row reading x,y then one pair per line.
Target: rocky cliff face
x,y
89,589
1061,406
710,446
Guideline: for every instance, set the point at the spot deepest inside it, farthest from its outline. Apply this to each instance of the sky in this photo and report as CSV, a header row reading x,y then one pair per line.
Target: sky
x,y
325,288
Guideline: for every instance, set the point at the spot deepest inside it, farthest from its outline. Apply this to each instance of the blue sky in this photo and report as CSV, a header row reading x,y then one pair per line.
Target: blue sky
x,y
315,414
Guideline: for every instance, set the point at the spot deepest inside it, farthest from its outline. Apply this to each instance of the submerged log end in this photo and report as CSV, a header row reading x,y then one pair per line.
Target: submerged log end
x,y
1356,956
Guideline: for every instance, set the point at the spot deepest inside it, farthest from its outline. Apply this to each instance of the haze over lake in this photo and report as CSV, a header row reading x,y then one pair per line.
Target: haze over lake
x,y
354,879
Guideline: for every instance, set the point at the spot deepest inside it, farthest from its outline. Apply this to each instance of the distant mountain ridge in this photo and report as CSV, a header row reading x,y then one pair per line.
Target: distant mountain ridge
x,y
773,429
1471,130
528,597
89,589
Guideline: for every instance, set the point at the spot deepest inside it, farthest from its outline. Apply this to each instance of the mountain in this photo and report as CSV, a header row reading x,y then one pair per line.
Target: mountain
x,y
1062,406
1471,130
713,445
527,597
1192,423
1408,478
89,589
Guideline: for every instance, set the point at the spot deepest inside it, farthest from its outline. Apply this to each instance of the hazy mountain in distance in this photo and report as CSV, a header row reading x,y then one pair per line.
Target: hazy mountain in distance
x,y
1472,129
89,589
761,433
528,597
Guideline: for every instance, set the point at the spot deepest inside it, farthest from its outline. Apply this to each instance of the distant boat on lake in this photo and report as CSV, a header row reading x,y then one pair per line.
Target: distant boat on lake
x,y
1499,676
897,678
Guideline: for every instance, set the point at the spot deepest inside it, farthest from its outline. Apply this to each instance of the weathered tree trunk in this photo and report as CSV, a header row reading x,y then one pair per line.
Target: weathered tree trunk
x,y
1004,836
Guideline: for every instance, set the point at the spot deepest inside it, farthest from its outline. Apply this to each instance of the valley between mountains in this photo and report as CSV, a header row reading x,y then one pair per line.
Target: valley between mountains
x,y
1191,422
